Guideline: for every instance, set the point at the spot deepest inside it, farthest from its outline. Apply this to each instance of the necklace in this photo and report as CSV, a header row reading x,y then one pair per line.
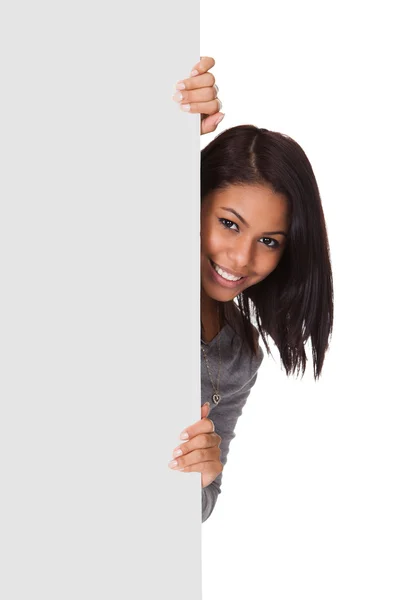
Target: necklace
x,y
216,397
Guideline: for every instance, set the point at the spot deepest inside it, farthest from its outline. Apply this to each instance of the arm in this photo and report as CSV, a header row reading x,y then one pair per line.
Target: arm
x,y
225,417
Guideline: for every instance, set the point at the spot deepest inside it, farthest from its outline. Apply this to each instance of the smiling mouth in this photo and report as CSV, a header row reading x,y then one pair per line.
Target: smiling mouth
x,y
224,274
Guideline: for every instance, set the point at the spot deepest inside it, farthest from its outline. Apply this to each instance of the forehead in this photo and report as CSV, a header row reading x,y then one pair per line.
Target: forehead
x,y
255,203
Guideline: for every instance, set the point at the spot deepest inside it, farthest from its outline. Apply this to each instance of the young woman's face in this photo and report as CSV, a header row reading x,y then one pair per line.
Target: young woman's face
x,y
248,244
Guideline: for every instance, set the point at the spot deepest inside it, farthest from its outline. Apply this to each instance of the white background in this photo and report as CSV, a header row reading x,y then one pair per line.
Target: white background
x,y
310,494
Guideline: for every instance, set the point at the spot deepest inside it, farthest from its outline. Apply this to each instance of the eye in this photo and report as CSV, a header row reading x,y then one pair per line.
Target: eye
x,y
226,223
269,242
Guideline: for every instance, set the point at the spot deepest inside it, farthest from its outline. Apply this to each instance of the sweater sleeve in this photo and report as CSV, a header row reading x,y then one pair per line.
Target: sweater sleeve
x,y
225,417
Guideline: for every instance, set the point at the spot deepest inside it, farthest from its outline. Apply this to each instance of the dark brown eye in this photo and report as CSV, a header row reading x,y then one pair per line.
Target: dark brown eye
x,y
226,223
271,243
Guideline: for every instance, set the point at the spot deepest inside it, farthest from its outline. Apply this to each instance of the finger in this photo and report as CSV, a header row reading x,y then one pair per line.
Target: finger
x,y
204,94
210,123
205,410
197,456
206,108
193,83
202,426
203,440
205,63
212,466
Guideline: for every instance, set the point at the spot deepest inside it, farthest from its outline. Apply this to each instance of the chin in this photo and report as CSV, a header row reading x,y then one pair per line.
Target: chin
x,y
221,296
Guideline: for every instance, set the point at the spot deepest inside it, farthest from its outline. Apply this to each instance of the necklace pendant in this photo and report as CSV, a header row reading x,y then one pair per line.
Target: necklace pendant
x,y
216,398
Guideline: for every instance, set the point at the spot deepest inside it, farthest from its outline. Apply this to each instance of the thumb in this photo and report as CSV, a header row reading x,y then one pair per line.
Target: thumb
x,y
209,124
205,410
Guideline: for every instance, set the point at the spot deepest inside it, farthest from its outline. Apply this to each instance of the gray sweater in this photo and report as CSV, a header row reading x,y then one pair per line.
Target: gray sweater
x,y
238,375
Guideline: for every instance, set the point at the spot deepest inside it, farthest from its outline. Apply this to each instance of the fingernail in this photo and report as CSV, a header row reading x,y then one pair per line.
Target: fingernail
x,y
185,107
177,97
180,85
194,73
208,404
172,463
177,452
184,435
218,121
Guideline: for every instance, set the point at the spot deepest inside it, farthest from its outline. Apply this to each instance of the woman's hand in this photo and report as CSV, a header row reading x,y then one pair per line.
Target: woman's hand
x,y
198,94
201,453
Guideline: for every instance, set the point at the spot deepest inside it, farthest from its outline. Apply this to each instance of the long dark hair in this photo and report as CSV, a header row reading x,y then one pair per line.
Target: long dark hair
x,y
295,302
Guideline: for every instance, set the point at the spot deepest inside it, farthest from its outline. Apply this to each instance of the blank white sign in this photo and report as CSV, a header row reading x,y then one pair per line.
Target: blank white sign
x,y
99,301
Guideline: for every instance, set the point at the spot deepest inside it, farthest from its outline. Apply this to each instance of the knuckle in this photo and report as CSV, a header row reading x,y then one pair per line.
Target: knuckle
x,y
203,454
202,96
211,423
206,61
205,95
216,452
185,448
190,84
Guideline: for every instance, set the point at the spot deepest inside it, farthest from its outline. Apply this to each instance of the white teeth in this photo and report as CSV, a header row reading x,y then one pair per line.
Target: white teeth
x,y
224,274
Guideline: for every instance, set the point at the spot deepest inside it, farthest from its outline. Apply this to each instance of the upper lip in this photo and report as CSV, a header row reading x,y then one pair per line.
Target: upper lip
x,y
228,270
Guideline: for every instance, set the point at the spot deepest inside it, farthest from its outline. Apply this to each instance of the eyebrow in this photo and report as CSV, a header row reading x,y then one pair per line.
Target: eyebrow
x,y
247,225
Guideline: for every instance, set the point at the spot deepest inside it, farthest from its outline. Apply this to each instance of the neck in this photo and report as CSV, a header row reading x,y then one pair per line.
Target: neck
x,y
209,312
208,306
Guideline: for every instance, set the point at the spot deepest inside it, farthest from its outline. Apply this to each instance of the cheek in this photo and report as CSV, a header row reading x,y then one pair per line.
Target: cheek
x,y
269,264
210,240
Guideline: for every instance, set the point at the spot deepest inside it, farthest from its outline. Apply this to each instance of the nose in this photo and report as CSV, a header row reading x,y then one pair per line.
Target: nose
x,y
240,254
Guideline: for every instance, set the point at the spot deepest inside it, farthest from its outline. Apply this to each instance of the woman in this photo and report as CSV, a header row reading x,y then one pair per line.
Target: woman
x,y
263,242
